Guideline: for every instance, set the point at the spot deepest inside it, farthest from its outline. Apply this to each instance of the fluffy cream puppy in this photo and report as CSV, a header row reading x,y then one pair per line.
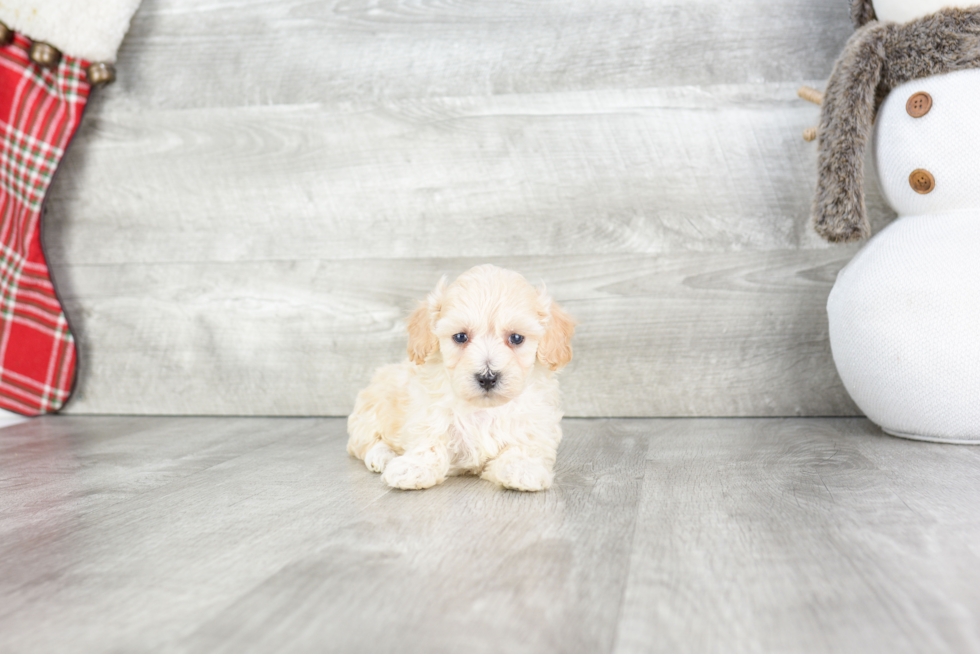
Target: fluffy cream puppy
x,y
479,393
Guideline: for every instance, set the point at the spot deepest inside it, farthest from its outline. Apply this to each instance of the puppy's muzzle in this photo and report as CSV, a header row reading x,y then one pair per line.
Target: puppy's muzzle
x,y
487,380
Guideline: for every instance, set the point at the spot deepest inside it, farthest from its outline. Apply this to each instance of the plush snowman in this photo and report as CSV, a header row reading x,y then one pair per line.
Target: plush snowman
x,y
904,314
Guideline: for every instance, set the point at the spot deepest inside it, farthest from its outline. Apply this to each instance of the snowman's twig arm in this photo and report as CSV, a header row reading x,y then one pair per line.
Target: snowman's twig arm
x,y
810,94
816,97
846,120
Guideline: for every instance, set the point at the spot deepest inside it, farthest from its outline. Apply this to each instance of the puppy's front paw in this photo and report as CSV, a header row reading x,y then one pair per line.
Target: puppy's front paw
x,y
520,474
410,473
378,457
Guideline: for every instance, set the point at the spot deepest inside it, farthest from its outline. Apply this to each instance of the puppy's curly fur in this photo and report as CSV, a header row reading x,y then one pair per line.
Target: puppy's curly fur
x,y
478,394
879,57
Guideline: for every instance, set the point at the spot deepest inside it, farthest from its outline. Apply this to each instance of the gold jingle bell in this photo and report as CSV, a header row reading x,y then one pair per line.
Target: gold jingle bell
x,y
101,73
44,55
6,35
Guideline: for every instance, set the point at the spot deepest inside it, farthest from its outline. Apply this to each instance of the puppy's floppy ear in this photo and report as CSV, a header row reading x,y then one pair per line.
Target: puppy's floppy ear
x,y
555,347
421,341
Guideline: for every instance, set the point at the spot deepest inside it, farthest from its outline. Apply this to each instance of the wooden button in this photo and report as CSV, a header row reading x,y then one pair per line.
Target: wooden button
x,y
922,181
919,104
6,35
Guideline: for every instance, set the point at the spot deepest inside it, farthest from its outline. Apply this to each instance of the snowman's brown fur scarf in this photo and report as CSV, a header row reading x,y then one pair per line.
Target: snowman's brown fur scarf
x,y
879,57
862,11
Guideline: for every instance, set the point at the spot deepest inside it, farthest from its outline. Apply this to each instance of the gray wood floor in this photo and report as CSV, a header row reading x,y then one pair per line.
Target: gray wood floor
x,y
144,534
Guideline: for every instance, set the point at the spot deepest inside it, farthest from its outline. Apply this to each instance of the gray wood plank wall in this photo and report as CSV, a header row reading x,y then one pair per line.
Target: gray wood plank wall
x,y
247,214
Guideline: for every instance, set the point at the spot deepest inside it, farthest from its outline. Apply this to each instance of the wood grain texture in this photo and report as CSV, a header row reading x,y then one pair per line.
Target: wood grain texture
x,y
687,334
246,215
802,536
166,534
184,53
650,171
261,535
124,524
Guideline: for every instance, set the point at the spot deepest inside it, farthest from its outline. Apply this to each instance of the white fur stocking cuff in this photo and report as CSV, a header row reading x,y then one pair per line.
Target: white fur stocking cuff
x,y
85,29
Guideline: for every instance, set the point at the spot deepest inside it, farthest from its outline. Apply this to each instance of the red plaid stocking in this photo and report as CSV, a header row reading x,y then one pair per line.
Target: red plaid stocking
x,y
39,112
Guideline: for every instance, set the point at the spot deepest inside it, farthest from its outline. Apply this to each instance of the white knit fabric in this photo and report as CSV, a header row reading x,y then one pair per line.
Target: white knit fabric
x,y
87,29
905,313
946,142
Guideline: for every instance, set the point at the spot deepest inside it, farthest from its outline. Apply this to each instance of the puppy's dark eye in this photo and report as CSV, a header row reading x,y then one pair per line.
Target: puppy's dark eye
x,y
516,339
460,338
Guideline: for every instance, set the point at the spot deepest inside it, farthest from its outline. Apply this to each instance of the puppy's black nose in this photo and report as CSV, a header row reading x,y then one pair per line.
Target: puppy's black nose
x,y
487,380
